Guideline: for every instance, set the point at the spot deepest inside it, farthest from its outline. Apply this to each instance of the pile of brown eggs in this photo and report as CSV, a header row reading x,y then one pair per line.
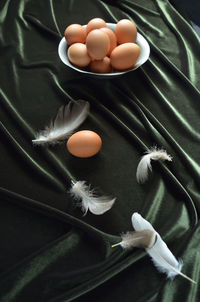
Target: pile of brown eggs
x,y
100,49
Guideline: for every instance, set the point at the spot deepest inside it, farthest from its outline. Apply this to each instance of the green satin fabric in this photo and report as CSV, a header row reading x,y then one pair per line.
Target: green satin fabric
x,y
49,251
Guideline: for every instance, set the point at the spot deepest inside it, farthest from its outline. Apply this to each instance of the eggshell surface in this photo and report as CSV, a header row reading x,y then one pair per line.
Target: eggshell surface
x,y
126,31
124,56
75,33
101,66
84,143
95,23
78,55
98,44
112,37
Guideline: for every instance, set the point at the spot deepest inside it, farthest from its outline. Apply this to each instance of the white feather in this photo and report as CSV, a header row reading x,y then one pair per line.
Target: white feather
x,y
145,163
89,200
68,118
160,254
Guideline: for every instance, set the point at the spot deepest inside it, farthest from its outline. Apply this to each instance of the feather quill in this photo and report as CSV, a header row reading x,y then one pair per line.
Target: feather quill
x,y
141,239
68,118
145,163
160,254
89,200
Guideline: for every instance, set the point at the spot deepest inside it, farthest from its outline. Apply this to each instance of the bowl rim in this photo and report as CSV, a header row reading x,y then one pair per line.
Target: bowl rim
x,y
140,40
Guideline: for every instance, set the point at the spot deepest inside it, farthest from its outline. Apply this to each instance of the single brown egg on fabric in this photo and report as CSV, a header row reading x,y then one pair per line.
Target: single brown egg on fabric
x,y
126,31
84,143
95,23
75,33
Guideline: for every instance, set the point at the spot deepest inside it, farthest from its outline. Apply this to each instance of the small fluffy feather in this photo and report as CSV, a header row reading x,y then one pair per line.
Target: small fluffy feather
x,y
89,201
140,239
68,118
160,254
128,241
145,162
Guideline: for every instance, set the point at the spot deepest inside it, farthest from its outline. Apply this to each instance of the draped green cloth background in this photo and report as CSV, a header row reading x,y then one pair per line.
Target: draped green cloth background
x,y
49,252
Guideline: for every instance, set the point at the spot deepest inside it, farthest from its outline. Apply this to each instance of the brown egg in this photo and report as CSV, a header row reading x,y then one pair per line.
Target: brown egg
x,y
101,66
84,143
112,37
78,55
75,33
125,31
98,44
95,23
124,56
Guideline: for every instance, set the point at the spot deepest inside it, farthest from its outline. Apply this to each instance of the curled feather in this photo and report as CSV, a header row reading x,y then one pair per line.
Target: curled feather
x,y
160,254
89,200
68,118
145,163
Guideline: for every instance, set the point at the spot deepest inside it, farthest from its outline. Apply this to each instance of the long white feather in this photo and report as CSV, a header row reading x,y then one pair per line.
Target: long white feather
x,y
68,118
145,163
160,254
89,200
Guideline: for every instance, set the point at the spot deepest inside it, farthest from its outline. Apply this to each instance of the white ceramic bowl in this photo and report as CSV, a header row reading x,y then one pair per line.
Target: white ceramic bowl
x,y
144,55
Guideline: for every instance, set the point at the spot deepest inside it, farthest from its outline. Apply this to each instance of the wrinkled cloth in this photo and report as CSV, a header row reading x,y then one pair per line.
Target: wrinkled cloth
x,y
49,251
